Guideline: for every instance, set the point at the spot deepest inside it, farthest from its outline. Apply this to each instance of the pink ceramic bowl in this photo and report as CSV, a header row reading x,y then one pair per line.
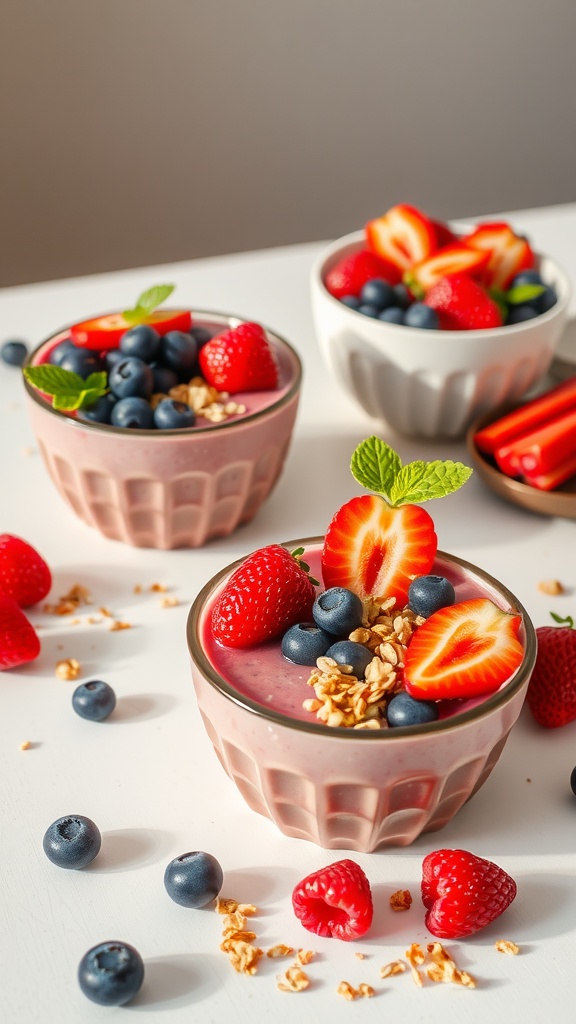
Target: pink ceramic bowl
x,y
171,488
342,788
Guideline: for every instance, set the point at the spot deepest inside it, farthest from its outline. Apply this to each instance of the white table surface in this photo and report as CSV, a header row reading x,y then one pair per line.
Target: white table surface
x,y
149,777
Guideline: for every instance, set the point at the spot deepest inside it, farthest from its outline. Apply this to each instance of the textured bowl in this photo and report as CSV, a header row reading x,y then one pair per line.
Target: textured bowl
x,y
431,383
171,488
341,788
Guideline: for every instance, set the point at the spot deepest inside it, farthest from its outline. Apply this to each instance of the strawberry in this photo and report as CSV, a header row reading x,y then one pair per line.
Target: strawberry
x,y
508,253
463,650
376,550
269,592
240,359
404,236
104,332
335,902
452,259
444,234
463,893
350,274
463,305
551,693
19,642
24,575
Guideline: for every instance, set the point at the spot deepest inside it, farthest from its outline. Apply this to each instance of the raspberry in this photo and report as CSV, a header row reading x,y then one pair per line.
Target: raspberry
x,y
24,575
18,640
335,901
463,893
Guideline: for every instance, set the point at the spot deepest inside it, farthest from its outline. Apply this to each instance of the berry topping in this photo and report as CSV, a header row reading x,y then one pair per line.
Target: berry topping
x,y
335,901
172,415
404,236
179,352
551,693
268,592
72,842
240,359
95,700
453,259
131,378
337,611
24,575
105,332
463,304
464,650
19,642
142,341
427,594
350,274
348,652
463,893
13,352
193,879
111,973
405,710
508,253
132,413
305,642
420,315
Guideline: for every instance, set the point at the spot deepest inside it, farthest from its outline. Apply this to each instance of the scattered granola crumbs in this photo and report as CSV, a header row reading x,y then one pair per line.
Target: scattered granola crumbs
x,y
362,992
279,950
93,620
401,900
506,946
169,602
360,956
394,967
158,588
74,622
294,979
237,941
528,780
26,745
70,602
442,967
415,956
106,612
551,587
304,956
67,669
118,625
137,588
244,957
204,399
226,906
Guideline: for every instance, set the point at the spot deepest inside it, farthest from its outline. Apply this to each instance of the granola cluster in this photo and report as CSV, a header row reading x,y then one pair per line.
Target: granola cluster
x,y
344,700
215,406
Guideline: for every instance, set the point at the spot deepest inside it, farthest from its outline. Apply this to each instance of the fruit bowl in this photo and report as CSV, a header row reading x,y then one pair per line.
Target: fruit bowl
x,y
346,788
171,488
431,383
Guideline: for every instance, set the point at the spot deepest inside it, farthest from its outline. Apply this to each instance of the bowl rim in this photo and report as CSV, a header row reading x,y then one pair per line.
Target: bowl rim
x,y
331,250
494,701
227,320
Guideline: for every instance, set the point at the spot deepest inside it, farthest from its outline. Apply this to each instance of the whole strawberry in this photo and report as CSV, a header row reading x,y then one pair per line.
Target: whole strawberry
x,y
24,575
551,693
269,592
335,902
462,304
463,893
240,359
350,274
19,642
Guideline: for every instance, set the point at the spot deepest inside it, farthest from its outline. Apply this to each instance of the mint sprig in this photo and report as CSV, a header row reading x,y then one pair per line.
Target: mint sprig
x,y
67,389
147,303
377,467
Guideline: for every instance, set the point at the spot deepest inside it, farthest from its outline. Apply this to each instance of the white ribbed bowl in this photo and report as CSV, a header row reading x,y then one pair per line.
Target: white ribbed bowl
x,y
431,383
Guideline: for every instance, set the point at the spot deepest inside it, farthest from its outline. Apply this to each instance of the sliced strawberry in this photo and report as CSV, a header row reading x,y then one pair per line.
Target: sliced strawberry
x,y
240,359
349,275
464,650
376,550
444,234
104,332
532,414
404,236
463,304
452,259
19,641
508,253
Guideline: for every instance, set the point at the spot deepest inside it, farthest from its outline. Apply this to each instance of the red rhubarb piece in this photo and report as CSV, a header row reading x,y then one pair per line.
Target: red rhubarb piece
x,y
559,400
555,477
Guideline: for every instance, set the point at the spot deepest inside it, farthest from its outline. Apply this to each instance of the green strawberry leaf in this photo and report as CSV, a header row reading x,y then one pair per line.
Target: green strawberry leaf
x,y
521,293
68,390
567,621
375,465
422,481
148,302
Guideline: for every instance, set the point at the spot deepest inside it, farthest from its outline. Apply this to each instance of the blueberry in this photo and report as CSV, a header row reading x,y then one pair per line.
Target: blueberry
x,y
338,611
171,415
427,594
402,296
131,378
72,842
142,341
377,292
164,379
351,301
305,642
392,315
111,973
14,352
94,700
420,315
346,652
405,710
179,351
81,361
194,879
112,356
133,413
201,336
527,277
57,354
545,300
100,411
367,310
518,314
573,781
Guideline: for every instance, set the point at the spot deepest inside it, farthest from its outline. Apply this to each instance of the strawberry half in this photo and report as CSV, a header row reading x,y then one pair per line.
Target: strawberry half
x,y
463,305
349,275
376,550
335,902
508,253
269,592
240,359
24,575
404,236
464,650
104,332
19,641
463,893
452,259
551,693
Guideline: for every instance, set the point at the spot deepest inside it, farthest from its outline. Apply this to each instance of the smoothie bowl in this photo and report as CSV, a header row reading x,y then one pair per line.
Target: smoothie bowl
x,y
357,750
163,457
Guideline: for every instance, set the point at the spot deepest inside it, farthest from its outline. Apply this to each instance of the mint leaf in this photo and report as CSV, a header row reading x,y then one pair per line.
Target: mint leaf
x,y
68,390
96,382
567,621
375,465
422,481
524,293
148,302
67,401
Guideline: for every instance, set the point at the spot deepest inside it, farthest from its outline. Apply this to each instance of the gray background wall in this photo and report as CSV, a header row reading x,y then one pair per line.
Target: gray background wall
x,y
144,131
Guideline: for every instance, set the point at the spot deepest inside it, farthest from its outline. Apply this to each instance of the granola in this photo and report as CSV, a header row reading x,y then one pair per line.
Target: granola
x,y
401,900
506,946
